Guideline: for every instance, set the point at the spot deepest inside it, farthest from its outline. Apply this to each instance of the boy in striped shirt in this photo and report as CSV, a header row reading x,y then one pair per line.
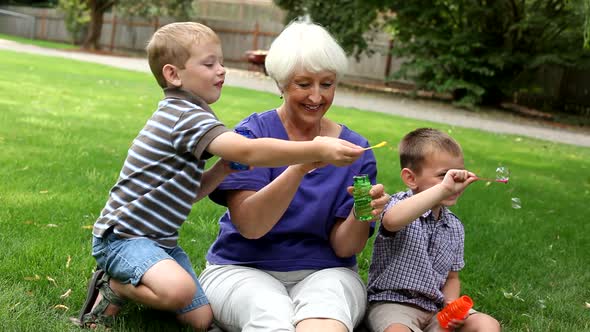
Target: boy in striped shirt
x,y
135,237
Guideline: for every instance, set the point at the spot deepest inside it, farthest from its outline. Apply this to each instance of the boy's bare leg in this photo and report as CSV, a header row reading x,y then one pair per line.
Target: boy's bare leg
x,y
154,289
200,318
165,286
480,322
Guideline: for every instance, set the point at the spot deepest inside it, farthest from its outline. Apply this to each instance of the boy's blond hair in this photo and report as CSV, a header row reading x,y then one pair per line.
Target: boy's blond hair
x,y
417,145
172,43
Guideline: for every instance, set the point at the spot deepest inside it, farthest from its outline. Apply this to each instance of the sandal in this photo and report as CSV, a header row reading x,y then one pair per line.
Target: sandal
x,y
99,283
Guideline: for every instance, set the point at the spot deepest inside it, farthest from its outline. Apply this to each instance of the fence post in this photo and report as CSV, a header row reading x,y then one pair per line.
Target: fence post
x,y
43,23
156,23
256,33
388,59
113,29
34,32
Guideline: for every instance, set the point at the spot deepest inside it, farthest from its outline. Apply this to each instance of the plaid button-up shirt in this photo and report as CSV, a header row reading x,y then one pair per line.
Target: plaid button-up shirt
x,y
412,264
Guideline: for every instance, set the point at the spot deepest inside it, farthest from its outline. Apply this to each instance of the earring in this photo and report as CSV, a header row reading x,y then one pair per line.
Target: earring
x,y
281,96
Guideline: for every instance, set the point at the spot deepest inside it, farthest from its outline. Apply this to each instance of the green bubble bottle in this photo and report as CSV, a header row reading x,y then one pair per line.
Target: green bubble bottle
x,y
362,198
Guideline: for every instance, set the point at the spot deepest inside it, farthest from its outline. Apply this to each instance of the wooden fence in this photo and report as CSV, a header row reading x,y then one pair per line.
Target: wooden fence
x,y
568,90
130,35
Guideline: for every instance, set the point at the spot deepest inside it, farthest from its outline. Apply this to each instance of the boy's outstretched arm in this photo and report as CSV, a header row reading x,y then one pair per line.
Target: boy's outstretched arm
x,y
408,210
404,212
271,152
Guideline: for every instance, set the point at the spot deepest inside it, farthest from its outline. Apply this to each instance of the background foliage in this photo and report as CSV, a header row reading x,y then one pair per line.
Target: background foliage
x,y
76,16
95,9
474,49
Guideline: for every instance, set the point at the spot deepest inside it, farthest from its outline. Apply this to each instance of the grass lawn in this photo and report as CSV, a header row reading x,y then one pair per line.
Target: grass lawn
x,y
65,128
39,42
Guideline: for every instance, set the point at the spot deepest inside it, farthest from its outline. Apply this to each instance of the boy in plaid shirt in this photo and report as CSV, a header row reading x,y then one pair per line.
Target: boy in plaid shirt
x,y
418,251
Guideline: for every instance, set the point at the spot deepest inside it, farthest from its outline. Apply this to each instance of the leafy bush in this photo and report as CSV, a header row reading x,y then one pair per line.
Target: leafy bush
x,y
76,16
473,49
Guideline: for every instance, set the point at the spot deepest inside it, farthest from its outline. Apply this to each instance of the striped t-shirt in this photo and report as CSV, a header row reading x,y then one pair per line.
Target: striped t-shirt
x,y
162,173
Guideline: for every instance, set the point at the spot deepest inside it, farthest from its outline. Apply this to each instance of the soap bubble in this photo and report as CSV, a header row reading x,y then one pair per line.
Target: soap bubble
x,y
516,203
502,174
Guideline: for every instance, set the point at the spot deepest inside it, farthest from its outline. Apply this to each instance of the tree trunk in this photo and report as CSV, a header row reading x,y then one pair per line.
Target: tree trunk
x,y
97,10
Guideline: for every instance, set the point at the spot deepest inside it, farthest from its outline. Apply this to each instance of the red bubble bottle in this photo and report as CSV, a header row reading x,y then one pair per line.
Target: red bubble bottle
x,y
457,309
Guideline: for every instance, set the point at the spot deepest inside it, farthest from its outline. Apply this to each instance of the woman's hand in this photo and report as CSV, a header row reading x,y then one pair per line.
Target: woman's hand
x,y
379,198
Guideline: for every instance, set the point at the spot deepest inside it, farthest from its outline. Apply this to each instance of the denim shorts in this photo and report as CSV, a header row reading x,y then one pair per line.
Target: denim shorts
x,y
128,259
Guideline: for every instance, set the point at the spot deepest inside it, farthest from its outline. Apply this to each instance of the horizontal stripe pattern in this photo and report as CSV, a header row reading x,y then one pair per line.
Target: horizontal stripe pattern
x,y
161,175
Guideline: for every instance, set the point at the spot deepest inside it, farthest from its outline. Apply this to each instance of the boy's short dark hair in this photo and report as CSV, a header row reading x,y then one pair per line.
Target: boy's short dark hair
x,y
418,144
172,43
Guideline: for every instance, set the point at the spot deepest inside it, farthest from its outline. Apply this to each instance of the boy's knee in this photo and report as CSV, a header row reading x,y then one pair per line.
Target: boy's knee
x,y
482,322
491,324
199,319
179,296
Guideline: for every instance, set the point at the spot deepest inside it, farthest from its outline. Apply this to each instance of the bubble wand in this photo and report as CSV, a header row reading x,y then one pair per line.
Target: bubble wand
x,y
502,175
376,146
494,180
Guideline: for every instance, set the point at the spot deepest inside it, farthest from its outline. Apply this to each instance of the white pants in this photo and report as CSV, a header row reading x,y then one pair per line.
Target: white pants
x,y
248,299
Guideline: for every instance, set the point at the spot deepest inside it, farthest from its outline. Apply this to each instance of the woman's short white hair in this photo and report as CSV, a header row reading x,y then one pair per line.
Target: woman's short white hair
x,y
304,46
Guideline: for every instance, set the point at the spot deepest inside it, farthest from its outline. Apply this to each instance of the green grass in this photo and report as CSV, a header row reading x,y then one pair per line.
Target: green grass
x,y
65,127
39,42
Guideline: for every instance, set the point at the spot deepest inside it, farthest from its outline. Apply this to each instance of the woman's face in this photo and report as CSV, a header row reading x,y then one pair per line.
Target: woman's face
x,y
308,96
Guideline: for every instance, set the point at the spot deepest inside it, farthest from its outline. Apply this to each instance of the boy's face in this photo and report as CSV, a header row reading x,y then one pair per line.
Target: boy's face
x,y
433,172
203,73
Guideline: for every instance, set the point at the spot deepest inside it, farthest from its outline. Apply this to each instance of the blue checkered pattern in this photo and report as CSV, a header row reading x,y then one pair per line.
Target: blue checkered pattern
x,y
412,265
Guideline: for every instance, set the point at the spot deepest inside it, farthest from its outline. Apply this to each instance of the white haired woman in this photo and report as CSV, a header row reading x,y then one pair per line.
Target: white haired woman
x,y
285,256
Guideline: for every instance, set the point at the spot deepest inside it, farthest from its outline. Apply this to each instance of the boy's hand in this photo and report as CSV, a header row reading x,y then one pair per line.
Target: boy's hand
x,y
455,324
337,151
456,180
380,199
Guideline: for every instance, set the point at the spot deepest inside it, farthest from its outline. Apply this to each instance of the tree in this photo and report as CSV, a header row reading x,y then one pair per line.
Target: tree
x,y
76,17
585,8
351,21
97,9
474,49
145,8
150,9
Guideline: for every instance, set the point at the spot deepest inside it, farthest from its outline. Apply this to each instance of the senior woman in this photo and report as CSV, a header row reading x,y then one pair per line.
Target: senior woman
x,y
284,259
